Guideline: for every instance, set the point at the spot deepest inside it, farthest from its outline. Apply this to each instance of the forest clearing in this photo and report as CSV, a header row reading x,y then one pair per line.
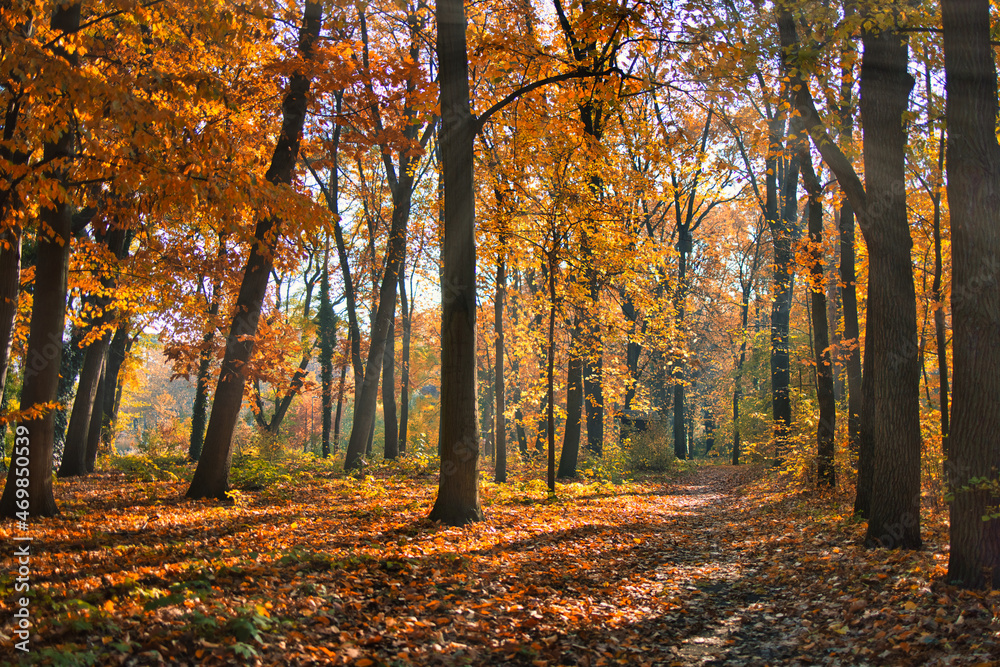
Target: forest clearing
x,y
517,332
712,565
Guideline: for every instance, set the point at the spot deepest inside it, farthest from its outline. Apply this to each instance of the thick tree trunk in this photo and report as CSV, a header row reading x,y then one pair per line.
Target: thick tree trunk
x,y
821,346
458,492
890,418
574,407
41,374
892,378
389,393
973,192
211,477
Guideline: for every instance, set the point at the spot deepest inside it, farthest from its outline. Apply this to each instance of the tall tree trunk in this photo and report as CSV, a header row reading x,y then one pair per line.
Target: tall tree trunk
x,y
74,461
121,343
500,462
784,232
458,491
85,407
365,404
10,284
892,377
821,347
389,393
327,341
574,406
940,327
849,294
890,414
199,411
550,371
973,192
406,318
340,406
211,477
41,374
97,419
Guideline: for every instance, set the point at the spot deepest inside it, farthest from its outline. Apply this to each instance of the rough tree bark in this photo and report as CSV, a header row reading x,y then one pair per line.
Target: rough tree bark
x,y
890,410
458,491
973,192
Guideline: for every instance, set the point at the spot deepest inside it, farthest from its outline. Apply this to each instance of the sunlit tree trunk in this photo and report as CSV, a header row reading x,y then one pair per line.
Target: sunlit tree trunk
x,y
211,477
458,491
48,314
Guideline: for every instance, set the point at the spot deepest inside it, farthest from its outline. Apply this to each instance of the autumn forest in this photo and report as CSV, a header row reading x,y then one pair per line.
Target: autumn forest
x,y
522,332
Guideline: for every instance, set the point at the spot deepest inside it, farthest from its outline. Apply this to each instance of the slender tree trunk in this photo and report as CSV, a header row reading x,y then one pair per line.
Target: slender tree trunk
x,y
500,462
550,373
41,374
821,347
574,407
340,406
365,405
940,327
10,284
389,393
784,232
327,341
121,343
211,477
97,419
458,492
973,192
199,411
74,461
406,317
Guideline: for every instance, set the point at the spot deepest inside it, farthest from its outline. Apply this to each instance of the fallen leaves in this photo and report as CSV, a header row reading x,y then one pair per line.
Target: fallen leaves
x,y
350,572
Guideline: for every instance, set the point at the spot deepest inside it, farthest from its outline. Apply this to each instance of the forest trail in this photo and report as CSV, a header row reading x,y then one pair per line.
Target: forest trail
x,y
715,566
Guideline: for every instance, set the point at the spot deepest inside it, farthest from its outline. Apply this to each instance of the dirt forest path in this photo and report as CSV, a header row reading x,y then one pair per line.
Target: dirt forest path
x,y
712,567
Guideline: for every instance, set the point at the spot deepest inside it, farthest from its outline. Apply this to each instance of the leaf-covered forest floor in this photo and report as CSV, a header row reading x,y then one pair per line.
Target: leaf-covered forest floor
x,y
717,566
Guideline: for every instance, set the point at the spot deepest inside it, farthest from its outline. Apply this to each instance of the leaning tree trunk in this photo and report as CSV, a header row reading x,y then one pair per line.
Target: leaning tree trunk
x,y
96,419
367,398
121,343
458,488
41,373
211,477
973,192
